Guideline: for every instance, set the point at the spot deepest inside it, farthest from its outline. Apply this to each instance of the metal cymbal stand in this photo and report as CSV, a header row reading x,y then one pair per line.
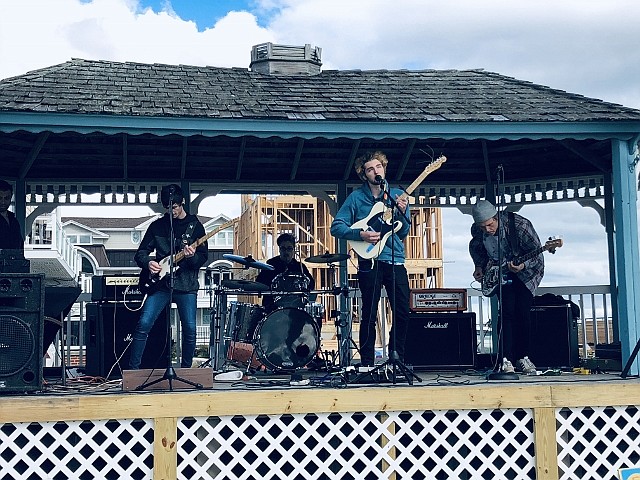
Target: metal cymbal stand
x,y
346,343
217,305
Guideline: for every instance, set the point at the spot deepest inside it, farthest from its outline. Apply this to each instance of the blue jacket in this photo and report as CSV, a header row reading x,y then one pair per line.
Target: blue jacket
x,y
356,207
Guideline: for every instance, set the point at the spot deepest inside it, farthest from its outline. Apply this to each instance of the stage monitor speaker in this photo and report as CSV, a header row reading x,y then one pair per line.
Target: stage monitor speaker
x,y
21,332
553,337
111,327
441,341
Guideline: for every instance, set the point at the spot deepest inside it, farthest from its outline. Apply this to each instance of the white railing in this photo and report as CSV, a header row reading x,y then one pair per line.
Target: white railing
x,y
594,302
595,324
68,255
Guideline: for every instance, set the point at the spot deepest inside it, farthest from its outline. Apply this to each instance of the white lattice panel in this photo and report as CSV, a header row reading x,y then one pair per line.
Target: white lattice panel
x,y
441,444
101,449
596,442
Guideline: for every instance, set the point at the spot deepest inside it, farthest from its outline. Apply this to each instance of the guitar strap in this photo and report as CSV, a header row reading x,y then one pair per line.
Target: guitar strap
x,y
186,236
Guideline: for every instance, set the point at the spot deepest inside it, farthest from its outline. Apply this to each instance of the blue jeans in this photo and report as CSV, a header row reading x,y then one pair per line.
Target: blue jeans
x,y
153,306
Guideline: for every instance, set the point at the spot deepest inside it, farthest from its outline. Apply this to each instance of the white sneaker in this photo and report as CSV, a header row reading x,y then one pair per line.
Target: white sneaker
x,y
507,366
526,366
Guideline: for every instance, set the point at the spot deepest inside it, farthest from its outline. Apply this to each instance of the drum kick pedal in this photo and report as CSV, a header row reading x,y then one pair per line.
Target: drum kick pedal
x,y
232,376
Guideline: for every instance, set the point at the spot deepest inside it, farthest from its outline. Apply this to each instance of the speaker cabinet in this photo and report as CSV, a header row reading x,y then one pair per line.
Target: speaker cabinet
x,y
441,341
21,332
553,337
111,327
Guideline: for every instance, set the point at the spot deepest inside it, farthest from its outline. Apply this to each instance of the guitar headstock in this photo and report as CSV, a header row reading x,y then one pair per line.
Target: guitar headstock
x,y
552,244
433,166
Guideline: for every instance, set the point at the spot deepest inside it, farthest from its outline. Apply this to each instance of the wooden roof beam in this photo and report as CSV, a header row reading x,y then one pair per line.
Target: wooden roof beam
x,y
243,145
183,165
296,160
405,158
125,156
352,159
33,154
575,147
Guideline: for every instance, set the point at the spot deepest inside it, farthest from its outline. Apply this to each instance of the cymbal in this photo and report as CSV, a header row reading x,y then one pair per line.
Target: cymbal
x,y
327,258
246,285
248,261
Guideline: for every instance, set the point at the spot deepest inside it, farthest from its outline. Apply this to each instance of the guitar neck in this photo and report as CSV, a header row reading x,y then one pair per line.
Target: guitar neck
x,y
430,168
530,255
433,166
180,255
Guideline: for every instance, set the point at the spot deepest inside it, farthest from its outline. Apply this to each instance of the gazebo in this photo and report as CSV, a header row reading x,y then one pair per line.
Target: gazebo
x,y
117,131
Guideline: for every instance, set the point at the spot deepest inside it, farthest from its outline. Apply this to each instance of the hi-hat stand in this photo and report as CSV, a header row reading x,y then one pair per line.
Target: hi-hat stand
x,y
217,305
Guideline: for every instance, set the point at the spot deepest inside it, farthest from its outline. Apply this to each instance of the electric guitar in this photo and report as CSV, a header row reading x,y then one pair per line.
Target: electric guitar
x,y
149,282
491,278
380,217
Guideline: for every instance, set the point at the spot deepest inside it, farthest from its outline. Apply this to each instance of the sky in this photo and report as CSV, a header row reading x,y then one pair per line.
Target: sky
x,y
589,47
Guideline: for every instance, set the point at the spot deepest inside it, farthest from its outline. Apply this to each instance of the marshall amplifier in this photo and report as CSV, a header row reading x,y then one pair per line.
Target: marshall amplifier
x,y
438,300
441,341
115,288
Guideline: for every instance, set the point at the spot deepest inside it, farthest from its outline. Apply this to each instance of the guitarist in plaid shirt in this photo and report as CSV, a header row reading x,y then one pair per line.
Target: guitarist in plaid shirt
x,y
517,237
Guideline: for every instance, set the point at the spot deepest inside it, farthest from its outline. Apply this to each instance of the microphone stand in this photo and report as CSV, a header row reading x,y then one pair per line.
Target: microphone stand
x,y
170,374
497,373
393,362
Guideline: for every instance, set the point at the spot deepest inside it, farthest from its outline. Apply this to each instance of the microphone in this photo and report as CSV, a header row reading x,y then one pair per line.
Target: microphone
x,y
378,180
172,189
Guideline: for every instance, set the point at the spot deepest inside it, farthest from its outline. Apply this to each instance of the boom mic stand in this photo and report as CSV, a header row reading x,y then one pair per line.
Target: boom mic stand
x,y
497,374
170,374
393,362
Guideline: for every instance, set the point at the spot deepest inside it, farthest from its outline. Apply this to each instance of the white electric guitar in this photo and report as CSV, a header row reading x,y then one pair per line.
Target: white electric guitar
x,y
380,218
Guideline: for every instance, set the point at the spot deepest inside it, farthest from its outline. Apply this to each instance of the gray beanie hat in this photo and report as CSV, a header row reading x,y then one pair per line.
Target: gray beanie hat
x,y
482,211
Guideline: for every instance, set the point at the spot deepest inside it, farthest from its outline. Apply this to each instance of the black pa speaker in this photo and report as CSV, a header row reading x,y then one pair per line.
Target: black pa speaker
x,y
111,327
553,339
445,341
21,331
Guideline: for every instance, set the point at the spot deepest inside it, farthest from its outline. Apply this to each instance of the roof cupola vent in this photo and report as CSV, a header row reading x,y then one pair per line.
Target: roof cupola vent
x,y
286,59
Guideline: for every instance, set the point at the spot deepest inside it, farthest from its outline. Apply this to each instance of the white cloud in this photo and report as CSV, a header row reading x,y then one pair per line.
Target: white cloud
x,y
40,33
587,47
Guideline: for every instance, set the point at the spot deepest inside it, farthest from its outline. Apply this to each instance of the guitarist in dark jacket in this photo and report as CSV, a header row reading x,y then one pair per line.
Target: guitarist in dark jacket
x,y
155,274
517,237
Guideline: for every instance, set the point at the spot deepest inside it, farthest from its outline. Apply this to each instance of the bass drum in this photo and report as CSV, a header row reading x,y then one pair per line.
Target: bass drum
x,y
287,339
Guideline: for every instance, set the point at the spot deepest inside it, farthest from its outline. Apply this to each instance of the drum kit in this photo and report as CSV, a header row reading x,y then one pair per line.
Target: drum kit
x,y
283,339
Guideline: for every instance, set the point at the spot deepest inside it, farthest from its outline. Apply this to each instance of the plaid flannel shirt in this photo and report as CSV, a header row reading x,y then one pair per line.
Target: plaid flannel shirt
x,y
527,240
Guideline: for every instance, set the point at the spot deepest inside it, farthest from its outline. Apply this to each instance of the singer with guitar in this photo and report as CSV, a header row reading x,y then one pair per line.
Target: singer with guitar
x,y
193,255
517,237
376,271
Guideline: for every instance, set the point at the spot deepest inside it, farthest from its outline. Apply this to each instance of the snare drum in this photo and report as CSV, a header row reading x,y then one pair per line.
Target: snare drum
x,y
244,318
287,338
290,282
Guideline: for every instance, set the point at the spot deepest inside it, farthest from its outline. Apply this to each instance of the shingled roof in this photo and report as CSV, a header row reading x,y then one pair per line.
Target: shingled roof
x,y
114,128
136,89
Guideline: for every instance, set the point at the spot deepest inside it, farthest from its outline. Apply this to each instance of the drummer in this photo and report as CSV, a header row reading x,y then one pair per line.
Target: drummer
x,y
285,263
